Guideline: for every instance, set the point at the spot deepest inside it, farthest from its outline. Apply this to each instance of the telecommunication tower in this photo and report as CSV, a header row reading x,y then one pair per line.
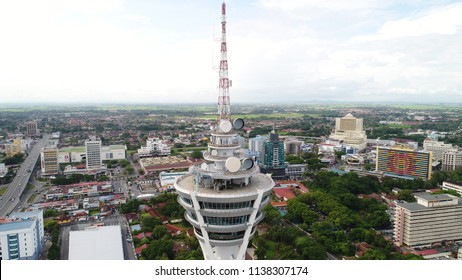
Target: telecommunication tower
x,y
224,196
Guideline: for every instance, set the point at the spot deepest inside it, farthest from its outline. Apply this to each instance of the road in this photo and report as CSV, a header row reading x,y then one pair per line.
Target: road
x,y
11,198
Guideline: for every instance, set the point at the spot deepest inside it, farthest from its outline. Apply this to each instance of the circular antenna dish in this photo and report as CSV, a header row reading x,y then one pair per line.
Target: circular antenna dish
x,y
233,164
214,153
247,163
226,126
238,123
204,166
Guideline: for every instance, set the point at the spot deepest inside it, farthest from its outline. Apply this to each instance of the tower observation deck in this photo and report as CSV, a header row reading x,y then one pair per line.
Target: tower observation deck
x,y
224,197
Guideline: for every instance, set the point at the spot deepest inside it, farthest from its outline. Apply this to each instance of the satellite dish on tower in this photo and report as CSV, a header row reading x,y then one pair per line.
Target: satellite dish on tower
x,y
238,123
214,153
247,163
233,164
226,126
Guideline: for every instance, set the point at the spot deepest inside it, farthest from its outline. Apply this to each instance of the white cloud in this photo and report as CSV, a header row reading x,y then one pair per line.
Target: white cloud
x,y
110,51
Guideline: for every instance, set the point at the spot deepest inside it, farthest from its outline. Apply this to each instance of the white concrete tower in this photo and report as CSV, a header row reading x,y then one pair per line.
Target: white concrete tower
x,y
225,196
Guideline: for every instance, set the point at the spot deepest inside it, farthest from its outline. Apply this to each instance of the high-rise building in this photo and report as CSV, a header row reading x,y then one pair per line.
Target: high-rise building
x,y
438,148
93,151
32,128
13,148
433,218
22,236
405,162
224,197
273,158
452,160
349,130
49,161
292,146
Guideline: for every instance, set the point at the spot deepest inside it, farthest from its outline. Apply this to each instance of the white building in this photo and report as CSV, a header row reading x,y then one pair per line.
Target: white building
x,y
437,147
93,151
113,152
295,171
452,160
3,170
167,180
452,186
96,243
432,219
350,131
154,147
22,236
257,144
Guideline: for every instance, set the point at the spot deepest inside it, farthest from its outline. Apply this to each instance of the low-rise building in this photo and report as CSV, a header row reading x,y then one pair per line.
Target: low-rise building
x,y
452,186
432,219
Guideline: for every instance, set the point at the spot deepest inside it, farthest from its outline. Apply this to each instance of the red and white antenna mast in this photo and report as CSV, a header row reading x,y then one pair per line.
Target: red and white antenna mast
x,y
224,109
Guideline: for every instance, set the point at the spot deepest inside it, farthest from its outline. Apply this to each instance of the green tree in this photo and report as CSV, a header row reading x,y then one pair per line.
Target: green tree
x,y
197,154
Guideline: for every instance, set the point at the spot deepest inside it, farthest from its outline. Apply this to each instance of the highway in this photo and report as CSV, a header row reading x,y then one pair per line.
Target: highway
x,y
12,196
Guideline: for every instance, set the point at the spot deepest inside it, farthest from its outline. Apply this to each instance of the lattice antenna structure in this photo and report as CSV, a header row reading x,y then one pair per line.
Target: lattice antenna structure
x,y
224,109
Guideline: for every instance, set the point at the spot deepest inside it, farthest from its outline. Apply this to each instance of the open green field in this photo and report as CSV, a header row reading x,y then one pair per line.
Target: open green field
x,y
3,190
399,125
31,198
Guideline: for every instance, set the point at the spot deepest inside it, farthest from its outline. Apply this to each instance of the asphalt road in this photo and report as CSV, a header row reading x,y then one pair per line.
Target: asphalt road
x,y
10,200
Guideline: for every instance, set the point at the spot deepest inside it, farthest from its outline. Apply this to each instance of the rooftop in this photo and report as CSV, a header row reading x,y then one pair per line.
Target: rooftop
x,y
100,243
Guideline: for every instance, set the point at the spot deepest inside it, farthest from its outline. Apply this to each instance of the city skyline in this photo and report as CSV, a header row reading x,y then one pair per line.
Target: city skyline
x,y
156,52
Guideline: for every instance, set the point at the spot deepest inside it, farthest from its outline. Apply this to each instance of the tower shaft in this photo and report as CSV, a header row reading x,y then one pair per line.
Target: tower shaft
x,y
224,109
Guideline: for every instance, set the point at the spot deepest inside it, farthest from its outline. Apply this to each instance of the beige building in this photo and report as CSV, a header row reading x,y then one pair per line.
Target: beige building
x,y
432,219
49,161
350,131
13,148
452,160
438,148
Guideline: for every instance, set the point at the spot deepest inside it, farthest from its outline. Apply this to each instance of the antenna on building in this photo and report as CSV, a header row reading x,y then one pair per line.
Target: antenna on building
x,y
224,110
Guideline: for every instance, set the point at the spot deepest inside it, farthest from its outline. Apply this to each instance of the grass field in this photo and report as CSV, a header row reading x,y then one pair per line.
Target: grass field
x,y
399,125
3,190
31,198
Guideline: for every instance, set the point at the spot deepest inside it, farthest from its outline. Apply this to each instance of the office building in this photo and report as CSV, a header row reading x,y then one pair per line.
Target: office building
x,y
13,148
32,129
49,161
93,151
349,130
452,160
22,236
224,197
273,157
438,148
256,146
403,162
292,146
432,219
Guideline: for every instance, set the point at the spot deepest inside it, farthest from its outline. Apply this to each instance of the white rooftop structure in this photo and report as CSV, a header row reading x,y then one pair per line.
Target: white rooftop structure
x,y
96,243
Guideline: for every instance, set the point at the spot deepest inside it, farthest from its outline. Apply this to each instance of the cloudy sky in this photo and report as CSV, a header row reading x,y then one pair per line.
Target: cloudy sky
x,y
151,51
